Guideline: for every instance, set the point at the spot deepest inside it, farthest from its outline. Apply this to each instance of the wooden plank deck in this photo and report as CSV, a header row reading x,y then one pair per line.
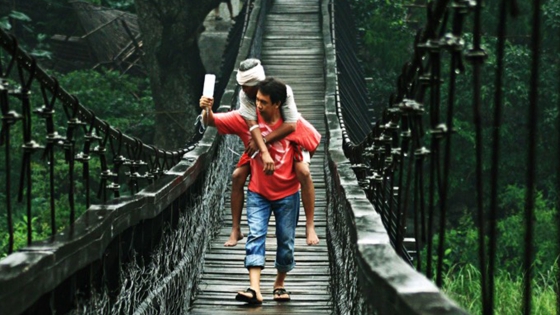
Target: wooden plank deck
x,y
292,52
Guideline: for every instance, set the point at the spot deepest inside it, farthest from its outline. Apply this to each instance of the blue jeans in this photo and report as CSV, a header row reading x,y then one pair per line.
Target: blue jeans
x,y
286,212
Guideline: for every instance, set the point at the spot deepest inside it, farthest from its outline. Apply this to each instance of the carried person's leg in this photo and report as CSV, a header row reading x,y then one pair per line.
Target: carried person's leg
x,y
239,177
230,9
258,215
308,198
286,212
217,16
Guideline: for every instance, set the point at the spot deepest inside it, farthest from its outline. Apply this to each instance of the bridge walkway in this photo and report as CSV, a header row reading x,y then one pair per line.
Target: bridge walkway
x,y
293,52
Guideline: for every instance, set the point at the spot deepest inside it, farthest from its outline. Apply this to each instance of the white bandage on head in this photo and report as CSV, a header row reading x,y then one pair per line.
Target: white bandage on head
x,y
250,72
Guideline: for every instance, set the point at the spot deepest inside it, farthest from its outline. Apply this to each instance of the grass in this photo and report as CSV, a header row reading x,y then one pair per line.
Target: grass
x,y
462,284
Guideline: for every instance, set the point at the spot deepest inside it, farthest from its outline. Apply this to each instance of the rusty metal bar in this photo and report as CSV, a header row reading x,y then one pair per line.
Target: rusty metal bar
x,y
532,158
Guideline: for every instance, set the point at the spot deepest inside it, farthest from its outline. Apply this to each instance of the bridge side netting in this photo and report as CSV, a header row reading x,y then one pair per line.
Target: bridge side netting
x,y
448,110
368,195
167,283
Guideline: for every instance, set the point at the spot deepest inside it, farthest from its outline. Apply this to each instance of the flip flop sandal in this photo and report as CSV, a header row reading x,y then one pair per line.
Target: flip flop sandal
x,y
251,300
281,291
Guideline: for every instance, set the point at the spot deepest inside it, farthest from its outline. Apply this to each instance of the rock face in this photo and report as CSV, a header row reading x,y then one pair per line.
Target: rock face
x,y
213,38
112,38
106,37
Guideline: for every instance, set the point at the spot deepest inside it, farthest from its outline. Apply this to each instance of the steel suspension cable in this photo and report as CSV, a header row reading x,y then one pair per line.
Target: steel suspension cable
x,y
455,48
408,153
495,162
46,112
558,194
8,119
531,158
437,134
477,56
434,79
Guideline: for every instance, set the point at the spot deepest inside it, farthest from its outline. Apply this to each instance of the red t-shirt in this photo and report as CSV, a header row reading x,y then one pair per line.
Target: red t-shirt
x,y
283,182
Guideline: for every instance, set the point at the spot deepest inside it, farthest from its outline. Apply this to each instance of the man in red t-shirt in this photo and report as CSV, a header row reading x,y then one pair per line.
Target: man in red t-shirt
x,y
249,74
275,190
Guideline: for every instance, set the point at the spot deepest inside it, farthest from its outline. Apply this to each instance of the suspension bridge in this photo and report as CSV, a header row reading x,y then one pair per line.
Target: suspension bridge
x,y
158,247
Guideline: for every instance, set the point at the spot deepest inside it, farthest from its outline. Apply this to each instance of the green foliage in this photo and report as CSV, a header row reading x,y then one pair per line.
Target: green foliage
x,y
462,284
47,21
551,14
394,19
462,241
125,102
387,46
20,233
20,16
126,5
512,231
384,53
513,129
5,23
40,48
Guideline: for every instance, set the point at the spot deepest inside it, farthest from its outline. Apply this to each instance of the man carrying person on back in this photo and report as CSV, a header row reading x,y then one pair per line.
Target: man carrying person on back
x,y
269,191
249,74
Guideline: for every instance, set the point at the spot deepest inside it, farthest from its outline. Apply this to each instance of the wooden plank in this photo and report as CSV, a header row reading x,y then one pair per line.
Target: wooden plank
x,y
263,309
299,242
232,285
294,301
243,280
292,52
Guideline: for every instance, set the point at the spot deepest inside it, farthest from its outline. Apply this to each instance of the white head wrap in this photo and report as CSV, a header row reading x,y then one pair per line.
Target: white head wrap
x,y
251,77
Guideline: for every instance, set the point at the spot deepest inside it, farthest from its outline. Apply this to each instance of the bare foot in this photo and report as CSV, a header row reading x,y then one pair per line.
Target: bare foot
x,y
312,238
235,236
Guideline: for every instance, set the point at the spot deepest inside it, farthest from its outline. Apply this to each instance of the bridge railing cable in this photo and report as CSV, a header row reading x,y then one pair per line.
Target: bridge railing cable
x,y
367,188
124,160
356,115
390,160
403,163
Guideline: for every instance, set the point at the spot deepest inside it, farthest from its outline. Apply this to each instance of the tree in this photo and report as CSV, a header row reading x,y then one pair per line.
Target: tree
x,y
170,30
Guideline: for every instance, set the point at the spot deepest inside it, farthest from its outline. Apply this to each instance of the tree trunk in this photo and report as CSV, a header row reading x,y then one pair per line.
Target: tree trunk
x,y
170,30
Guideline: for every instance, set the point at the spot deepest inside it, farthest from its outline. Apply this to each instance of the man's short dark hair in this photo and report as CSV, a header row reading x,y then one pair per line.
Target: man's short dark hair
x,y
273,88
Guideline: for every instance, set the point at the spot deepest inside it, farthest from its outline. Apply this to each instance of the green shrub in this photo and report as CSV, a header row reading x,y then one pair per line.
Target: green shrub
x,y
463,285
124,102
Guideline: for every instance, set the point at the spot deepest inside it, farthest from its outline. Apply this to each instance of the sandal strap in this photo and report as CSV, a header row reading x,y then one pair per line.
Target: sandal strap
x,y
249,290
279,291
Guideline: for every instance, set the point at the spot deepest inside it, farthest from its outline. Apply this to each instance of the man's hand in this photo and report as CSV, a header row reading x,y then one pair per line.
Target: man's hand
x,y
268,163
252,147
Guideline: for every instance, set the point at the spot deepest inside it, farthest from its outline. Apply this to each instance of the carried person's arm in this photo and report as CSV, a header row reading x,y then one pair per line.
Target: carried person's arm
x,y
256,143
290,116
249,113
258,140
206,104
257,137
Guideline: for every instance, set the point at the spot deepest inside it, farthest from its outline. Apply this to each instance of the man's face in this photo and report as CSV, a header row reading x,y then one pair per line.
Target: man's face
x,y
251,91
265,106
